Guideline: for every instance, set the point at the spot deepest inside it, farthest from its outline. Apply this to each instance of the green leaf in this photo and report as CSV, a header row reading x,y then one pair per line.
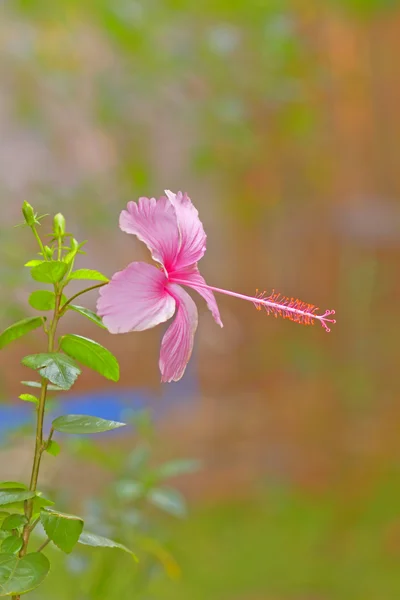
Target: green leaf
x,y
21,575
138,458
44,300
169,500
29,398
3,515
39,502
89,314
53,448
91,354
37,384
49,271
63,530
88,274
33,263
14,495
177,467
6,485
130,490
57,368
84,424
98,541
14,521
19,329
12,544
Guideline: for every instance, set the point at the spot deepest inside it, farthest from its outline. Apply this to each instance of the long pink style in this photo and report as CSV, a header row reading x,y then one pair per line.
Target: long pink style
x,y
278,305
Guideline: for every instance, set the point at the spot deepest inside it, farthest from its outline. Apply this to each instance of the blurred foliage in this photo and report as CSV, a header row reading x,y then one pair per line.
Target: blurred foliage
x,y
285,544
131,512
368,8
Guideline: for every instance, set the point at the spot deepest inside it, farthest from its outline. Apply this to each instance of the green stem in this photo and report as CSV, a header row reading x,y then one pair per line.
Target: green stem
x,y
32,527
89,289
39,241
43,545
40,444
50,437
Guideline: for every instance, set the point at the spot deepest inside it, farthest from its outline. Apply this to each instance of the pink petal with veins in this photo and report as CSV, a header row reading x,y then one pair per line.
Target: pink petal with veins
x,y
177,343
192,236
155,223
135,299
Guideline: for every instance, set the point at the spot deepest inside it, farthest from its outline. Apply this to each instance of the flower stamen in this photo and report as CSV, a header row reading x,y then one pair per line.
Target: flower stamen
x,y
291,308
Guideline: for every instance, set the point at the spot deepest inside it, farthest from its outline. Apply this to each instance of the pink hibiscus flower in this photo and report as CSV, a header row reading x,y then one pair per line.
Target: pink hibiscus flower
x,y
143,296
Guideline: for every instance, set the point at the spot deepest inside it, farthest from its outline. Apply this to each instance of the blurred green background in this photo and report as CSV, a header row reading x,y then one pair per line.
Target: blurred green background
x,y
280,119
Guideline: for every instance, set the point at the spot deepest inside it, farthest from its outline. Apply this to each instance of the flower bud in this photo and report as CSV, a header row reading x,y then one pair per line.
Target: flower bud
x,y
48,252
59,225
74,245
29,214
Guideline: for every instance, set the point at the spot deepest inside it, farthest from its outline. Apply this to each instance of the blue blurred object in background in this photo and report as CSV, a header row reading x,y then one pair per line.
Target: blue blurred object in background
x,y
107,404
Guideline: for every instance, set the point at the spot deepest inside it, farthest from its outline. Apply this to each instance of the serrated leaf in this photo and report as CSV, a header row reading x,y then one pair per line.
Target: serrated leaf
x,y
53,448
84,424
49,271
29,398
98,541
13,522
44,300
19,329
37,384
33,263
88,274
63,530
21,575
57,368
169,500
12,544
14,495
91,354
89,314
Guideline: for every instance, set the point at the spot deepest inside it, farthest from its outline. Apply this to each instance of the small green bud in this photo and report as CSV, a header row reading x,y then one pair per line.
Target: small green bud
x,y
48,252
59,225
74,245
29,214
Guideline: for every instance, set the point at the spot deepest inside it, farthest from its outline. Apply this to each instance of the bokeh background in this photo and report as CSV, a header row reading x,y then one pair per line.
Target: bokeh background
x,y
280,119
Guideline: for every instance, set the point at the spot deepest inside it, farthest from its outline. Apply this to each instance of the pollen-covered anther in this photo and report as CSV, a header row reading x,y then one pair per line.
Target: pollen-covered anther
x,y
292,308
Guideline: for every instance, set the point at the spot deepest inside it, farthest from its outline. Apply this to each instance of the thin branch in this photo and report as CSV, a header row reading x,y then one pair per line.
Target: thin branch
x,y
43,545
93,287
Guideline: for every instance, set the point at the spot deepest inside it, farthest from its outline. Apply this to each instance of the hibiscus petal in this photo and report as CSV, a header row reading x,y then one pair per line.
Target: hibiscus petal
x,y
177,343
192,278
154,222
135,299
192,235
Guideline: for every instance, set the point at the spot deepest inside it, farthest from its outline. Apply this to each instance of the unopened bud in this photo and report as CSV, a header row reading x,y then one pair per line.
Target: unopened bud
x,y
29,214
48,252
74,245
59,225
